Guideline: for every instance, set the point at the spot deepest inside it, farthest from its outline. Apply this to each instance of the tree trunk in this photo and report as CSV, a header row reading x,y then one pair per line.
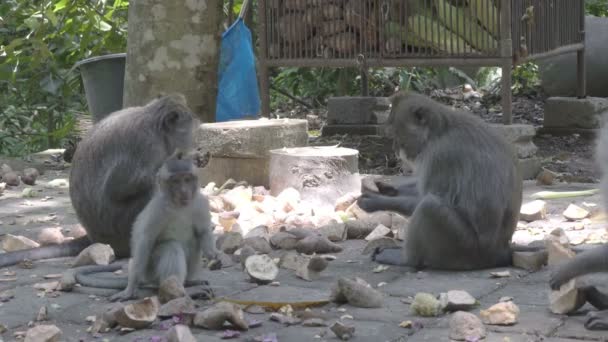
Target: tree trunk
x,y
174,47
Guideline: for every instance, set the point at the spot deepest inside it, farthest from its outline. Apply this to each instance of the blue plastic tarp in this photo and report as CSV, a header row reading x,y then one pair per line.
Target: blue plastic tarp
x,y
238,94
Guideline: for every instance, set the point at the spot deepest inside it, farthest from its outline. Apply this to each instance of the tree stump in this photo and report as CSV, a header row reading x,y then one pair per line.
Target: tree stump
x,y
320,173
239,149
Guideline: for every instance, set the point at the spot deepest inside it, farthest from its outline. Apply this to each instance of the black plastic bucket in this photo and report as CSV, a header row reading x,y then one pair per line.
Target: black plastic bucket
x,y
103,79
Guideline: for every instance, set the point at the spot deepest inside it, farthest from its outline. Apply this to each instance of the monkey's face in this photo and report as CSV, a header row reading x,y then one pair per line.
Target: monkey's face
x,y
409,126
182,188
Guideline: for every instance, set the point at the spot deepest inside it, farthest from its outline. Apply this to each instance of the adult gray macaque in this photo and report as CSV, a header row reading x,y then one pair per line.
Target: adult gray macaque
x,y
465,193
594,260
113,174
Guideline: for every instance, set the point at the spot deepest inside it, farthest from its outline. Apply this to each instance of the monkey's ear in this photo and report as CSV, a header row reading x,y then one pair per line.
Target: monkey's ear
x,y
170,119
421,115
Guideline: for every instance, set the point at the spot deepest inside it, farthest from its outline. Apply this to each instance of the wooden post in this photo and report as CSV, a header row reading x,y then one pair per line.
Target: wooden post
x,y
506,53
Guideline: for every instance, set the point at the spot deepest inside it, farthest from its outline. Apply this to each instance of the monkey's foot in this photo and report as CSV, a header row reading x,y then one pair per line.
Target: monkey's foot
x,y
201,292
388,256
121,296
597,320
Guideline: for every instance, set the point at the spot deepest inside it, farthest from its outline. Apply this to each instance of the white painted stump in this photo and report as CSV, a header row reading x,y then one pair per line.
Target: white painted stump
x,y
321,173
239,149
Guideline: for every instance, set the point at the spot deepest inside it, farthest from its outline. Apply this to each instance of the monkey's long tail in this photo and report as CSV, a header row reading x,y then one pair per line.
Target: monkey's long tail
x,y
70,248
84,276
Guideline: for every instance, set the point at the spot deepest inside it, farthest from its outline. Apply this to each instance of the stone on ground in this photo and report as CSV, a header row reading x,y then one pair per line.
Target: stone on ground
x,y
464,326
533,211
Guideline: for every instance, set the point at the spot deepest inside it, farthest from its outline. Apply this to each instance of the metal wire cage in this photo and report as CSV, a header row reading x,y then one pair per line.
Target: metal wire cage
x,y
385,33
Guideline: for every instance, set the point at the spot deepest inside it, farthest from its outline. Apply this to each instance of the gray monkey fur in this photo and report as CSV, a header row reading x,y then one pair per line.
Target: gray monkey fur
x,y
593,260
113,170
464,196
169,235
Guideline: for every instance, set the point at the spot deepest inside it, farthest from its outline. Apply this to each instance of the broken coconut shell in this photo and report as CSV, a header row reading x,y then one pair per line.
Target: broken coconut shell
x,y
261,268
138,315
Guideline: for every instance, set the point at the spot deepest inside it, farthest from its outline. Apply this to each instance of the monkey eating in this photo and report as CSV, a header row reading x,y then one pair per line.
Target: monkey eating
x,y
465,193
169,236
112,174
594,260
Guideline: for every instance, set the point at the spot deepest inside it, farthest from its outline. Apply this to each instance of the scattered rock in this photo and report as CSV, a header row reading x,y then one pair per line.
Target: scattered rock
x,y
342,331
359,229
311,269
557,252
530,261
245,253
567,299
399,226
95,254
6,295
342,203
43,333
43,314
50,236
258,244
227,219
5,168
30,175
382,242
292,260
284,319
76,231
357,293
28,193
334,231
180,333
533,211
47,287
464,326
378,232
500,274
11,179
456,300
314,322
299,232
11,243
503,313
58,183
288,199
239,196
574,213
138,315
283,240
425,305
177,306
546,177
169,289
229,242
317,244
214,317
261,269
259,231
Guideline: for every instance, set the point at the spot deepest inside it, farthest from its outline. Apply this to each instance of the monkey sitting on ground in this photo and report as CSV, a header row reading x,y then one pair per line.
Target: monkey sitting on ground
x,y
594,260
465,193
169,236
112,174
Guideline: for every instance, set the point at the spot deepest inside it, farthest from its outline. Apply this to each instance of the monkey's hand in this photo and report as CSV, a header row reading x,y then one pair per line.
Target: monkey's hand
x,y
369,201
121,296
558,279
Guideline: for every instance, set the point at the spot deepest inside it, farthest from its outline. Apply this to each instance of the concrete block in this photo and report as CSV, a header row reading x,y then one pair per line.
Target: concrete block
x,y
239,149
520,136
251,138
329,130
357,110
574,113
529,167
220,169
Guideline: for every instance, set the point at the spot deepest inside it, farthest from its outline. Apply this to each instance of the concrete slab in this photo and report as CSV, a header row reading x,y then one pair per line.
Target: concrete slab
x,y
357,110
571,112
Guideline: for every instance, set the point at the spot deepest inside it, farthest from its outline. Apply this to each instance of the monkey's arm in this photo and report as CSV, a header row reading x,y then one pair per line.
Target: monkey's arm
x,y
125,181
591,261
203,229
405,205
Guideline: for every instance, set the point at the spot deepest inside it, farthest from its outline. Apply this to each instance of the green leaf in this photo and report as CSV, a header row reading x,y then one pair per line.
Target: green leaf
x,y
51,16
60,5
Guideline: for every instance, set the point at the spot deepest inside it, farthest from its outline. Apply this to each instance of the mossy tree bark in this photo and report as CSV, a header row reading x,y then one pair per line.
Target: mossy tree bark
x,y
174,46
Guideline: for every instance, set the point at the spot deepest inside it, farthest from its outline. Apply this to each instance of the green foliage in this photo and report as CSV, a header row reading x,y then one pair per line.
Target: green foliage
x,y
525,79
40,41
598,8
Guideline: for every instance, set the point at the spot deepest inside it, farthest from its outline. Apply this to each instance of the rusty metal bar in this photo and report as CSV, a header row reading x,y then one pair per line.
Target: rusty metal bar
x,y
263,59
378,62
506,52
581,68
558,51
